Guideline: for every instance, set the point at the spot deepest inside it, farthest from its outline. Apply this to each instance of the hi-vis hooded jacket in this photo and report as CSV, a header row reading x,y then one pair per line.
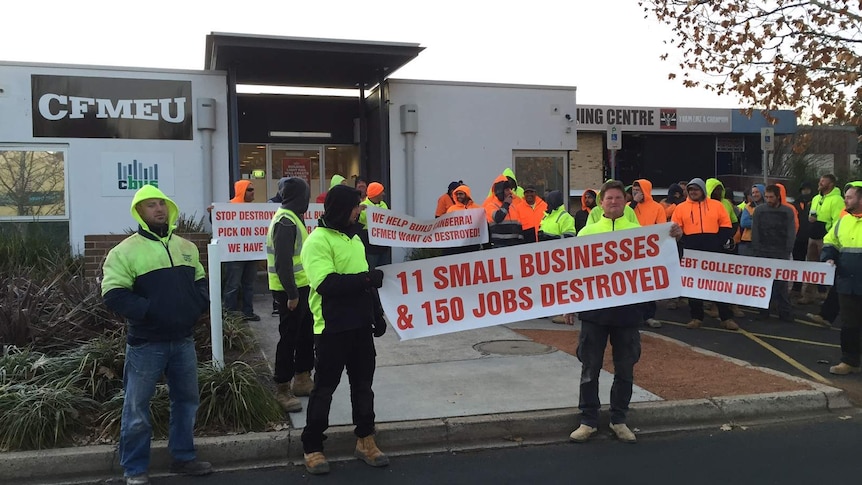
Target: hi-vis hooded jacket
x,y
827,210
157,283
843,244
648,212
705,223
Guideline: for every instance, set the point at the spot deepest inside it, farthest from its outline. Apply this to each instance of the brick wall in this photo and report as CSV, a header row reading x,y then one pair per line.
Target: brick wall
x,y
586,167
96,247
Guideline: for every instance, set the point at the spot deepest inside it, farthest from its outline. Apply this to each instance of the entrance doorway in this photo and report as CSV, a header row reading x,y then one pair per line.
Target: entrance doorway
x,y
316,164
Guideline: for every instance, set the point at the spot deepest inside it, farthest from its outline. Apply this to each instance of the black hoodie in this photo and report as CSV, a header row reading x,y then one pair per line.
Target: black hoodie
x,y
337,207
294,194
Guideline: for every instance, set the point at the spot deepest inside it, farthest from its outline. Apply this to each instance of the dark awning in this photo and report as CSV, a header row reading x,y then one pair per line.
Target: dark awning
x,y
293,61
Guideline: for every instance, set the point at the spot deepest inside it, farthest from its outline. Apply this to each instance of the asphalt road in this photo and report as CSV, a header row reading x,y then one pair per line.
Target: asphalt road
x,y
825,451
800,348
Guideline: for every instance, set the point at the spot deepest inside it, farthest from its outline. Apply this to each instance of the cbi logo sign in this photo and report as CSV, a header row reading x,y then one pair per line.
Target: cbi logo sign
x,y
133,176
123,173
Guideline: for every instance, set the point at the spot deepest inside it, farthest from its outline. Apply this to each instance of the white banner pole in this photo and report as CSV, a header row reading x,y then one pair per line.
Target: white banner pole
x,y
214,266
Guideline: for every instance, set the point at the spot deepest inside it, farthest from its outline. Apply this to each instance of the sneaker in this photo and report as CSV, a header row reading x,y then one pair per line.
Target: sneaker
x,y
192,467
623,433
818,319
142,479
582,434
729,324
694,323
843,369
315,463
275,313
254,317
653,323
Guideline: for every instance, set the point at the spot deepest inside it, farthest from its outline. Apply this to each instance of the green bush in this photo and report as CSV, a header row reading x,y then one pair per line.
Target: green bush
x,y
96,367
20,365
34,417
233,398
423,253
160,414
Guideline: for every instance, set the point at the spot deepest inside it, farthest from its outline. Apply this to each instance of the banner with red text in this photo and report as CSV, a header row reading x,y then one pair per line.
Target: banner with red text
x,y
240,229
461,228
492,287
744,280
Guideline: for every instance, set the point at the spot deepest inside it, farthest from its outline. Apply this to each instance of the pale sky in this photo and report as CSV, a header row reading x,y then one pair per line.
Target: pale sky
x,y
605,48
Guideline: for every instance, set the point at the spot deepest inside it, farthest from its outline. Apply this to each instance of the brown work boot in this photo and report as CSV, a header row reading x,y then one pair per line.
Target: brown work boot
x,y
302,384
559,319
623,433
582,434
367,451
843,369
694,323
737,312
729,324
286,399
818,319
672,304
315,463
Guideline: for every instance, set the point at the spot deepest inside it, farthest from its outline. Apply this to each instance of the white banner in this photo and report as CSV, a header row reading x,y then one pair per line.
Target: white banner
x,y
240,230
744,280
462,228
480,289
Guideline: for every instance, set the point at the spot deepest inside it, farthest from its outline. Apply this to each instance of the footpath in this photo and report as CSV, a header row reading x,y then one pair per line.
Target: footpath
x,y
504,386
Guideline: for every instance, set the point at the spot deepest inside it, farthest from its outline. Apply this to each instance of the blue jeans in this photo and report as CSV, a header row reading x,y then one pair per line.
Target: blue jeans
x,y
144,367
239,277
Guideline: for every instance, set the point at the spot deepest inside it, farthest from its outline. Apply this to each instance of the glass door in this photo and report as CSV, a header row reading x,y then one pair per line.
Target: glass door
x,y
295,161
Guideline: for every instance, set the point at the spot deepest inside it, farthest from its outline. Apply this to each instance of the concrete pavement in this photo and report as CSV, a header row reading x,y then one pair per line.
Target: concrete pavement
x,y
476,389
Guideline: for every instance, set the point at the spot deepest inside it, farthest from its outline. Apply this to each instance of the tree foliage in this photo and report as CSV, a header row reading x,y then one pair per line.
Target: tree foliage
x,y
773,54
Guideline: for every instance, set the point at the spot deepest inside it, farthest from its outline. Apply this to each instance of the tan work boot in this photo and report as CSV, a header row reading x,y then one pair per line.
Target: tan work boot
x,y
582,434
302,384
286,399
315,463
729,324
818,319
737,312
367,451
694,323
623,433
843,369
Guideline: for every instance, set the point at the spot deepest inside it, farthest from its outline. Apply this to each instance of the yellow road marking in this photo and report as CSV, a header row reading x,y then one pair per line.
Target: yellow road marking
x,y
786,358
763,335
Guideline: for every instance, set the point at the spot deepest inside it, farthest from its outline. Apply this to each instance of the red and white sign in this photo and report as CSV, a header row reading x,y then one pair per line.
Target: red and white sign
x,y
240,230
744,280
481,289
462,228
296,167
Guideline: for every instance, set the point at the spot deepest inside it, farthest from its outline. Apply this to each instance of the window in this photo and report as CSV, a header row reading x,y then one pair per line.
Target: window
x,y
32,182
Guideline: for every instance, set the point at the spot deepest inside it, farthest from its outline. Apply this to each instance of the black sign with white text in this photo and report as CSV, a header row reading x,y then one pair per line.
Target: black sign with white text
x,y
97,107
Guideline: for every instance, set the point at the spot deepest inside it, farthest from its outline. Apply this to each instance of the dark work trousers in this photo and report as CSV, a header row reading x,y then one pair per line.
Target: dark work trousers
x,y
353,349
295,350
696,309
626,349
649,308
829,308
851,328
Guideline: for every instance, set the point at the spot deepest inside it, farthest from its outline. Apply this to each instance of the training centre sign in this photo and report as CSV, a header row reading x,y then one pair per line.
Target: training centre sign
x,y
462,228
744,280
481,289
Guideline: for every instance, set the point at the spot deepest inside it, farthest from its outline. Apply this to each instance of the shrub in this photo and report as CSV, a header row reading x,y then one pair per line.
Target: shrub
x,y
20,365
236,335
34,417
96,367
234,399
160,414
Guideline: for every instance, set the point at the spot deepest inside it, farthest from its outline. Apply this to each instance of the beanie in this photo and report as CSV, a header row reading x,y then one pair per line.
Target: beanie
x,y
374,189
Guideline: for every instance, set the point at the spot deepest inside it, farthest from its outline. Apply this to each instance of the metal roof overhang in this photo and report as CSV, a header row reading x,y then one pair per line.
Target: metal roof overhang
x,y
295,61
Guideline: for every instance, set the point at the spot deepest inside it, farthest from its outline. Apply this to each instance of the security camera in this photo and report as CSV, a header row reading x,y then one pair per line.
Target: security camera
x,y
568,116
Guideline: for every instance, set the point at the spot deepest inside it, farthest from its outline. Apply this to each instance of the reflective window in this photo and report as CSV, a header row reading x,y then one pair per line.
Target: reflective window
x,y
32,182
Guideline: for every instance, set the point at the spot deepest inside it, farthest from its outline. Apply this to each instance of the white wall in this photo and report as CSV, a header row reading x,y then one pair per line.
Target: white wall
x,y
89,211
469,131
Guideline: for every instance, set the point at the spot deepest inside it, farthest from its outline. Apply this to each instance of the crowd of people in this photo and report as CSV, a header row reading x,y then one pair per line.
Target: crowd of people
x,y
324,287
